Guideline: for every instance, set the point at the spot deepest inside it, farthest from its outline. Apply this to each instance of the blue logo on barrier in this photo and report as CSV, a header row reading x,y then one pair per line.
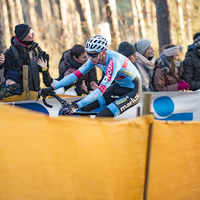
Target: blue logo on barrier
x,y
164,107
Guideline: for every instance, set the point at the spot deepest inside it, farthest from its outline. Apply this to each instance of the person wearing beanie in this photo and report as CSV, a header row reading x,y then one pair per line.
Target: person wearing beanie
x,y
21,31
11,85
168,70
145,63
127,50
24,51
191,64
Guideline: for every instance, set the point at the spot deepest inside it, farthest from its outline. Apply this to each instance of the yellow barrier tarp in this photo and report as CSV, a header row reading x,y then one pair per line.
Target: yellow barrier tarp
x,y
73,158
175,161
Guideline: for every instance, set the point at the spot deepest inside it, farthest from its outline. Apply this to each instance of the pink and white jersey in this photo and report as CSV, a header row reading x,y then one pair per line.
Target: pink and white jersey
x,y
117,68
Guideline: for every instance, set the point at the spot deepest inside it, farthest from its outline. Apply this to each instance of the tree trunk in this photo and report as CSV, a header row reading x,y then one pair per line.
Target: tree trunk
x,y
97,15
19,11
83,8
141,18
163,22
11,15
33,19
46,18
111,14
136,30
148,12
181,21
188,20
4,13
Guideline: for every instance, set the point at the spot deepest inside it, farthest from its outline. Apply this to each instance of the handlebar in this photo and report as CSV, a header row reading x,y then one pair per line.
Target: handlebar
x,y
65,103
61,101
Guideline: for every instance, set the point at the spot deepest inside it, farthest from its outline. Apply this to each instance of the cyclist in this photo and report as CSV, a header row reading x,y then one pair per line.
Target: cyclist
x,y
127,84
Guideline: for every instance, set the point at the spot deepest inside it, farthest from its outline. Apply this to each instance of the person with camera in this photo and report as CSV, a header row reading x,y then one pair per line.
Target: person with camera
x,y
24,51
11,85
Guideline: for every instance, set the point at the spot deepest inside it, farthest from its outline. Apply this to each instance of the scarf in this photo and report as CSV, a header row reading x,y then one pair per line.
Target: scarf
x,y
146,69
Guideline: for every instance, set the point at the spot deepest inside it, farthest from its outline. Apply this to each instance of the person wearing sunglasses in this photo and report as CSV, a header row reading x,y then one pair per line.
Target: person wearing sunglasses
x,y
191,64
116,98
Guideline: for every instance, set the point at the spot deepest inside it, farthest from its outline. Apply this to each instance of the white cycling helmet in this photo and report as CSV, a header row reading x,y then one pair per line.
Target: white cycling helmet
x,y
96,43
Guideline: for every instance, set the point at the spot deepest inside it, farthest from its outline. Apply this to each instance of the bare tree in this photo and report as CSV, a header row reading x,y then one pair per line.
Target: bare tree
x,y
19,11
33,18
4,13
163,22
111,14
140,18
11,15
181,21
188,19
83,8
148,12
136,28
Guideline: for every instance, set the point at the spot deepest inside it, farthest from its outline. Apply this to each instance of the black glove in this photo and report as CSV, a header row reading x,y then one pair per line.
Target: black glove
x,y
69,109
12,87
44,92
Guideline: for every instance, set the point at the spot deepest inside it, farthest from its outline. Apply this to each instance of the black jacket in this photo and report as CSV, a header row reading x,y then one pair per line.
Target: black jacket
x,y
28,56
67,62
191,66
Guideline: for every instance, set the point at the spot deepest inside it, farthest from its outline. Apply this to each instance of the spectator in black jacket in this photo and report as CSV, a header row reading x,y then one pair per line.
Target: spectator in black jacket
x,y
71,60
24,51
2,59
191,64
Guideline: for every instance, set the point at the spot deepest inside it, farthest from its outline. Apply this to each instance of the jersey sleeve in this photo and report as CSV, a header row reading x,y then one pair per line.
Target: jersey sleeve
x,y
111,71
71,78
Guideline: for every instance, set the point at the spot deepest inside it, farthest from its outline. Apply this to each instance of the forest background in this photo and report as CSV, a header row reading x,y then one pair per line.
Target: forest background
x,y
60,24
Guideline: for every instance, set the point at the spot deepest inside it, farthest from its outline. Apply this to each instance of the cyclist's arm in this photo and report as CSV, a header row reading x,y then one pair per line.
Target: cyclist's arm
x,y
71,78
110,75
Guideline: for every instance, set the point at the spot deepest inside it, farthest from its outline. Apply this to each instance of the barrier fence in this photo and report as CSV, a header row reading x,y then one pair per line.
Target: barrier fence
x,y
74,158
176,106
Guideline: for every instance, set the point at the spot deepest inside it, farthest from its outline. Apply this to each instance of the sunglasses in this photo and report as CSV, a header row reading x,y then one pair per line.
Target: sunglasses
x,y
93,55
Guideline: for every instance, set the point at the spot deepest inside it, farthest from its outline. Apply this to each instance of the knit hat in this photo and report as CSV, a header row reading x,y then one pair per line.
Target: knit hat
x,y
196,40
126,49
21,30
13,75
142,45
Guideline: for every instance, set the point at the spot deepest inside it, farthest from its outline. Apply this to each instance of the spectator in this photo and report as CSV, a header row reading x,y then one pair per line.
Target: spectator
x,y
11,85
169,69
2,59
191,64
145,62
71,60
24,51
127,50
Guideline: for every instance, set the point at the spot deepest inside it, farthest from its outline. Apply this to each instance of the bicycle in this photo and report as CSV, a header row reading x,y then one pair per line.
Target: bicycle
x,y
64,103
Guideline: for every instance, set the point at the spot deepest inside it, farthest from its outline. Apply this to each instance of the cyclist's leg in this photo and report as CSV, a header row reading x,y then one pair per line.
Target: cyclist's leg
x,y
125,102
104,100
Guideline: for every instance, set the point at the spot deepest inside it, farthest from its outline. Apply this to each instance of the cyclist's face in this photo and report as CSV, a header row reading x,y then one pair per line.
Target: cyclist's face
x,y
94,57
